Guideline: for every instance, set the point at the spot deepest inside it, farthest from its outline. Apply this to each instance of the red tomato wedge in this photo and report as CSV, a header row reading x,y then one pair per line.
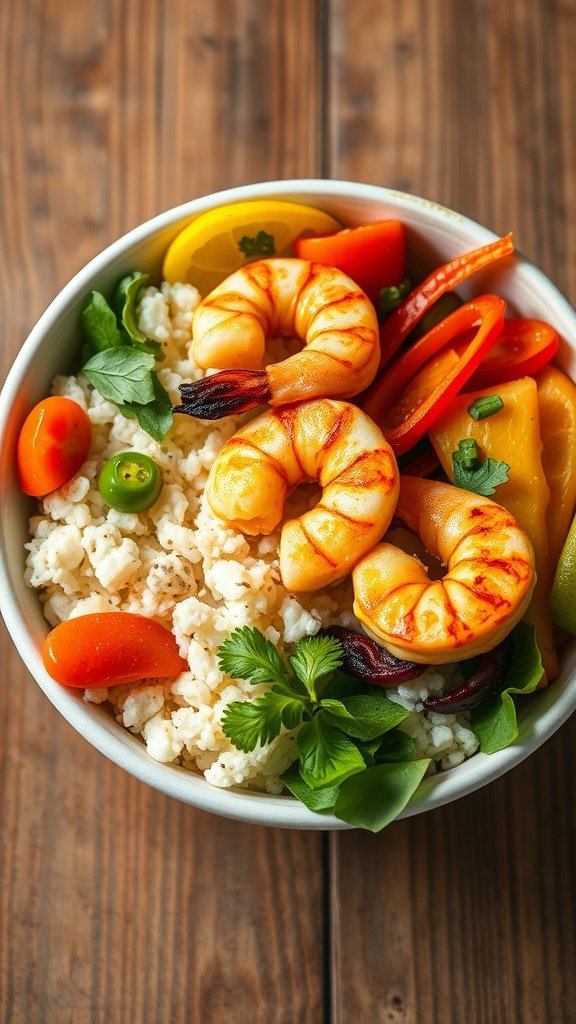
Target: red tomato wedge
x,y
109,648
403,404
53,443
524,347
373,255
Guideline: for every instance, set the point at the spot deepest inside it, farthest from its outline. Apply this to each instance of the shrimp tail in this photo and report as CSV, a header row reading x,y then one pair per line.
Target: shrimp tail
x,y
224,393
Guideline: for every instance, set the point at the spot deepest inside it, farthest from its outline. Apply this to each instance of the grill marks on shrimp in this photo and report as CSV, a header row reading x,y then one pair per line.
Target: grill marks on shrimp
x,y
332,442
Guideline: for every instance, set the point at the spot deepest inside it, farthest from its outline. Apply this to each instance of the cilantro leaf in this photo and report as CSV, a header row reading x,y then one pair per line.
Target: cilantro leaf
x,y
247,654
122,375
249,722
376,797
99,324
315,657
327,756
365,716
484,479
261,245
314,799
494,722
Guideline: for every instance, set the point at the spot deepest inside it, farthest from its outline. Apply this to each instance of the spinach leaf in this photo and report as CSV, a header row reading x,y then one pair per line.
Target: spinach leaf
x,y
327,756
99,324
364,715
376,797
122,375
314,799
494,721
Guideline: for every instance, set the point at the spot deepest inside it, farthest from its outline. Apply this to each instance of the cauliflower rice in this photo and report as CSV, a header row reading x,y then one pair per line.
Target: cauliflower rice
x,y
179,564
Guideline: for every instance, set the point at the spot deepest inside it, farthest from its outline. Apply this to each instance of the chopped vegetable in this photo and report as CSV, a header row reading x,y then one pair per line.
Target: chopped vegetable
x,y
364,659
563,596
488,679
403,320
222,240
523,348
467,454
482,476
391,297
512,437
110,648
373,255
557,409
445,305
486,315
485,406
342,724
52,445
130,482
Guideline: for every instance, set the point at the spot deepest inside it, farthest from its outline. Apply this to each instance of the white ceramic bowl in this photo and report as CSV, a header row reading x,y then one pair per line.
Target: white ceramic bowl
x,y
435,234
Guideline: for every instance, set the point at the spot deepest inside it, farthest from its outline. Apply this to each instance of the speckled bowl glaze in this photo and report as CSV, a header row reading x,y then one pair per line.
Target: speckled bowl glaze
x,y
435,234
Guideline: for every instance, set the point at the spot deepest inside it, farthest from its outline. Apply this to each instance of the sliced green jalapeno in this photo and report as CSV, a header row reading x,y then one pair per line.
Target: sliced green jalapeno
x,y
130,482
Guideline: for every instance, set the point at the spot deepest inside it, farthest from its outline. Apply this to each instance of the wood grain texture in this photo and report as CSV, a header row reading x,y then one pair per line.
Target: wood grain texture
x,y
468,913
116,904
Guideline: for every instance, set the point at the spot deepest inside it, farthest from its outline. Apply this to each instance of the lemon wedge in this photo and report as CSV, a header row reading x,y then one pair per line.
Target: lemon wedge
x,y
221,241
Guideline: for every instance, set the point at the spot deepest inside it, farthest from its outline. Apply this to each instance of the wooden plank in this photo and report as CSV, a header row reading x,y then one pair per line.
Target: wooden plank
x,y
468,913
116,904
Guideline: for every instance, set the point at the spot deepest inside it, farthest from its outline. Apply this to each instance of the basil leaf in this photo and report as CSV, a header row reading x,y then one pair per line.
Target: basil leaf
x,y
125,301
313,799
327,757
494,722
395,746
156,418
122,375
376,797
99,324
364,715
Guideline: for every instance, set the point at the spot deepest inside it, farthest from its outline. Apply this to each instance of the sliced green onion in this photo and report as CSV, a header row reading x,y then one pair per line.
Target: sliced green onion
x,y
467,455
485,406
391,297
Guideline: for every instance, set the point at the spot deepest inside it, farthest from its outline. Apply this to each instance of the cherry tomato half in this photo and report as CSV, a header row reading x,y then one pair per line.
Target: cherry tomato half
x,y
53,443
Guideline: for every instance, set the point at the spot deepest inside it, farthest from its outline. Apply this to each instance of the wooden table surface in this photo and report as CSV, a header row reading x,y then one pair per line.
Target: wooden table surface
x,y
118,905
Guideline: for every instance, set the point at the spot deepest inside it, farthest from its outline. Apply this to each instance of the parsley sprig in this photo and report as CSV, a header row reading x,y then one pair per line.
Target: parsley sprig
x,y
347,730
119,360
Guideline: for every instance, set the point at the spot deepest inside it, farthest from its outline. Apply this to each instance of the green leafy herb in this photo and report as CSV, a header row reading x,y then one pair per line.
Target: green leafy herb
x,y
316,657
119,360
467,455
327,756
314,799
250,722
345,727
484,406
391,297
99,324
364,716
261,245
494,721
376,797
247,654
442,308
122,375
481,479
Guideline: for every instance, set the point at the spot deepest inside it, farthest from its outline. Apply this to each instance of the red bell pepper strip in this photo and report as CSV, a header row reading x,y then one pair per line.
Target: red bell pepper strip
x,y
523,348
398,325
373,255
486,315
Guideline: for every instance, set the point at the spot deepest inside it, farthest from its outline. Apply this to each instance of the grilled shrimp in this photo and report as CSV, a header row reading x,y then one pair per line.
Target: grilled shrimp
x,y
332,442
485,592
273,298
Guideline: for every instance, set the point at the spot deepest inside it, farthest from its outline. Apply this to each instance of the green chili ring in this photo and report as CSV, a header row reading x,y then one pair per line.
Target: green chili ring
x,y
130,482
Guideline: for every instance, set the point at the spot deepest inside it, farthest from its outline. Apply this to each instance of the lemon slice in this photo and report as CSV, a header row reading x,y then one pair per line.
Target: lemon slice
x,y
221,241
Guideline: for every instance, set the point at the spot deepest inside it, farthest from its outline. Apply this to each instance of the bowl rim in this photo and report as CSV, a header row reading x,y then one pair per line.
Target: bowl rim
x,y
128,751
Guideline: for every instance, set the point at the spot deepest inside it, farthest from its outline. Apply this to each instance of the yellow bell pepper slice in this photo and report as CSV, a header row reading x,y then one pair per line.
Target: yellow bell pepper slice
x,y
511,435
557,410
